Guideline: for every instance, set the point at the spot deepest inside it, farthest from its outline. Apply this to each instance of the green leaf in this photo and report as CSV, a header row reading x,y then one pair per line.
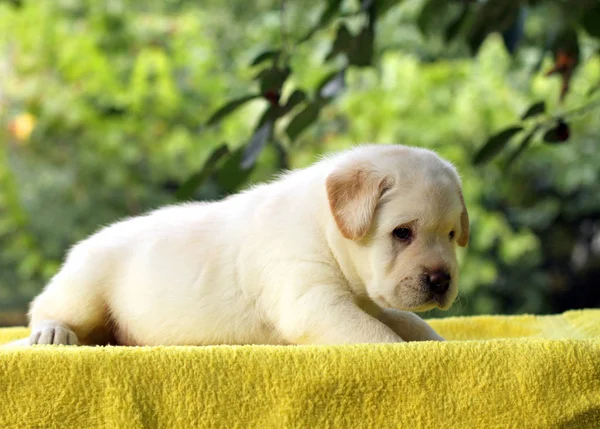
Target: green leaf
x,y
381,6
525,143
266,55
257,142
534,110
272,78
297,97
187,189
455,26
329,12
495,144
558,134
358,49
591,21
342,42
231,175
492,15
229,108
302,120
360,53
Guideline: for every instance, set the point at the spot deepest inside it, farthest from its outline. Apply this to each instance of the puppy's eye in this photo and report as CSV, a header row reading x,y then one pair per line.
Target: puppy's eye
x,y
451,235
403,234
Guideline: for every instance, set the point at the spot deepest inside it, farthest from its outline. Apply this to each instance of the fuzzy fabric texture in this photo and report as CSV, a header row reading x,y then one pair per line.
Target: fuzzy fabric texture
x,y
495,372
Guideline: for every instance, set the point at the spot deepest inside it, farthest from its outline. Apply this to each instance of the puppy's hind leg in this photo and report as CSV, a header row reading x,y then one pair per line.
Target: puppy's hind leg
x,y
71,309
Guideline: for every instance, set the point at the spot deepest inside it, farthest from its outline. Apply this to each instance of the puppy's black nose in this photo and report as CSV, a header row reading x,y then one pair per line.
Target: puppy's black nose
x,y
438,281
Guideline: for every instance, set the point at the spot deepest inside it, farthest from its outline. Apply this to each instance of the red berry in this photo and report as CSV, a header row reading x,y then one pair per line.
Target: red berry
x,y
273,96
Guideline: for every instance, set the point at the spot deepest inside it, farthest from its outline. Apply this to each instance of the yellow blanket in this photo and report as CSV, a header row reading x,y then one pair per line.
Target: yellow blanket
x,y
500,372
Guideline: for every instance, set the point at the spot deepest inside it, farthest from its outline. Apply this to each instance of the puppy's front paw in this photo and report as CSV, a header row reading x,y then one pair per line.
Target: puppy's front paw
x,y
51,332
409,326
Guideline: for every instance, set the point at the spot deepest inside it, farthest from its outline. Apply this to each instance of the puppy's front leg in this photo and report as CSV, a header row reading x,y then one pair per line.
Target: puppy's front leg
x,y
326,314
408,325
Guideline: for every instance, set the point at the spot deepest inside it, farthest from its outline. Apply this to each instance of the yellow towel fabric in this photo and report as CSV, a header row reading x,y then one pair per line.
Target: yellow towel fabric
x,y
499,372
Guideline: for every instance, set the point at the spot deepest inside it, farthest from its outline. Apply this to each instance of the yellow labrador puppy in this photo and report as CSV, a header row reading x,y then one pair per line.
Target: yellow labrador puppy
x,y
340,252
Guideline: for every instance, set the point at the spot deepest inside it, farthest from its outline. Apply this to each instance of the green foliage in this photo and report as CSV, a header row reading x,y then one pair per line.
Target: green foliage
x,y
495,144
534,110
129,104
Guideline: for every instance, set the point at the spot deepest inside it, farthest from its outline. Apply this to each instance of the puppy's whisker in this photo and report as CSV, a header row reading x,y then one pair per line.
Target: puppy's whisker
x,y
458,302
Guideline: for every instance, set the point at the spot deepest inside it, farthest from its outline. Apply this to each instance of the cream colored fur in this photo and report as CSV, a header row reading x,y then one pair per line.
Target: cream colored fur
x,y
307,259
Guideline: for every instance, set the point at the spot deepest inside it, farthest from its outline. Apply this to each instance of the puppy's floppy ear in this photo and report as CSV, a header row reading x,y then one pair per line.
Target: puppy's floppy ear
x,y
353,192
463,239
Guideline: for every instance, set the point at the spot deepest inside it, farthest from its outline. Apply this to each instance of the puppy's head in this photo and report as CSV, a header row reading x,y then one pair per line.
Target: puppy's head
x,y
402,213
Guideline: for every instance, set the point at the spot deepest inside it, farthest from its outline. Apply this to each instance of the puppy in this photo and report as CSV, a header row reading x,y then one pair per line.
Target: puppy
x,y
340,252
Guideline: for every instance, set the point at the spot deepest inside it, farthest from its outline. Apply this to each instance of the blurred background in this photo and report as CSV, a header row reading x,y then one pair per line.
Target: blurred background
x,y
112,108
